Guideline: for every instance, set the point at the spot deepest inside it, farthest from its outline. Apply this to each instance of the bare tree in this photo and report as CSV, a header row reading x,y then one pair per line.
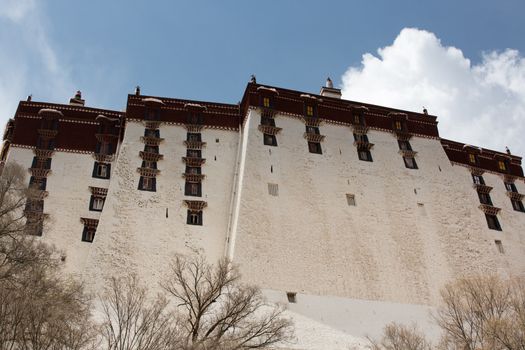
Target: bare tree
x,y
18,251
400,337
39,309
485,312
217,312
132,321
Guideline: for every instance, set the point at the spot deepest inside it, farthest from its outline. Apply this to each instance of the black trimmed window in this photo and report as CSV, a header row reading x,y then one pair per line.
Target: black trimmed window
x,y
193,153
364,155
478,179
104,148
34,226
38,183
511,187
399,125
193,189
152,133
312,130
151,149
363,138
404,145
102,170
410,162
493,222
193,136
517,205
88,234
359,120
148,184
315,147
35,205
484,198
41,163
309,111
193,170
270,140
149,164
96,203
267,121
194,217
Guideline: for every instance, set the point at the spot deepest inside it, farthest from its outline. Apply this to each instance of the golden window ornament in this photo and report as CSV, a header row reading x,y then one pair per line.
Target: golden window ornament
x,y
309,111
472,158
398,125
266,102
502,166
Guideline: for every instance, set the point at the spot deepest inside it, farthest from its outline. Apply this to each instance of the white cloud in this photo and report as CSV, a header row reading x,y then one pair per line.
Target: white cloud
x,y
481,104
28,59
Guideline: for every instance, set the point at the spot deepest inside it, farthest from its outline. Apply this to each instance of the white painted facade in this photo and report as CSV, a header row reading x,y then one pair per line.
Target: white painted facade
x,y
354,268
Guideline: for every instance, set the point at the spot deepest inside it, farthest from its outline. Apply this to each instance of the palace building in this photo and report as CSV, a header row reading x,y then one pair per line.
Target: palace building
x,y
353,214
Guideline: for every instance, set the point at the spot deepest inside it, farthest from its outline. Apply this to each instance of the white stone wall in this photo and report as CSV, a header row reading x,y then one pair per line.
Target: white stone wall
x,y
411,231
134,234
67,201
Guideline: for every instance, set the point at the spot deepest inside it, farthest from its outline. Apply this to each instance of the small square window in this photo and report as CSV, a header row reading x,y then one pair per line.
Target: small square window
x,y
41,163
363,138
410,162
149,164
194,217
484,198
104,148
312,130
493,222
193,170
152,133
88,234
96,203
193,153
511,187
350,199
34,227
502,166
398,125
500,246
193,189
101,170
517,205
151,149
267,121
478,179
266,102
148,184
364,155
292,297
270,140
273,189
38,183
310,111
35,205
404,145
315,147
193,137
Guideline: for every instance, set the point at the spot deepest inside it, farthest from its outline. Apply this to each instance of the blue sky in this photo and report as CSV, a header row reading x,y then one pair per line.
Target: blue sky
x,y
207,50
